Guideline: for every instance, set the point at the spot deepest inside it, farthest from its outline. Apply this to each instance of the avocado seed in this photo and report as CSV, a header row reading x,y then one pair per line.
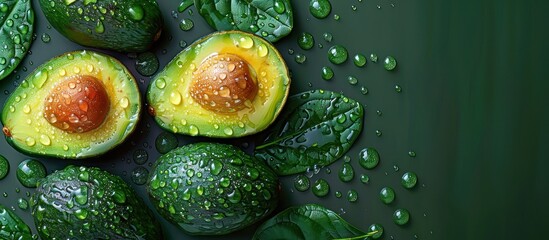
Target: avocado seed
x,y
224,83
77,104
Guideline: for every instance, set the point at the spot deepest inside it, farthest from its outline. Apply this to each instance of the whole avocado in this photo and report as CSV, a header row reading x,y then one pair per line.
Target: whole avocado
x,y
89,203
126,26
212,188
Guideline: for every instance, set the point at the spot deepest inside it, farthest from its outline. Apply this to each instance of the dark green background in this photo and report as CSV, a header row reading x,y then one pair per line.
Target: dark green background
x,y
473,108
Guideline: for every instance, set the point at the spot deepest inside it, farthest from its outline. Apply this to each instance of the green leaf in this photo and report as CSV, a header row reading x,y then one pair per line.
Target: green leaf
x,y
16,28
308,222
12,227
315,128
269,19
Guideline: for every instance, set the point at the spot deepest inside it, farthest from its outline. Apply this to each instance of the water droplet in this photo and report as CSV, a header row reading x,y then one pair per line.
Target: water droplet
x,y
336,17
165,142
359,60
30,141
262,50
147,64
327,73
364,178
321,188
193,130
140,156
246,42
387,195
346,173
368,158
29,172
337,54
40,78
300,58
235,196
379,133
175,97
184,5
364,90
409,180
306,41
279,6
352,195
26,109
45,140
338,194
215,167
182,44
353,7
4,167
302,183
99,27
160,83
352,80
186,24
398,89
136,12
373,57
124,102
412,154
228,131
22,203
320,8
401,216
378,229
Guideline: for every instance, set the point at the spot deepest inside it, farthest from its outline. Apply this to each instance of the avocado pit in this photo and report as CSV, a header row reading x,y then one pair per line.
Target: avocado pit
x,y
224,83
77,104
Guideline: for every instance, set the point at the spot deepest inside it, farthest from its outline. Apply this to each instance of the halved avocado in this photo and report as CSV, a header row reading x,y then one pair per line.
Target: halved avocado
x,y
77,105
226,84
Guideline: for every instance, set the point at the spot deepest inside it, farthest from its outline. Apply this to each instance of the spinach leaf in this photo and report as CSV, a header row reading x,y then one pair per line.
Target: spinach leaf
x,y
314,128
308,222
269,19
16,27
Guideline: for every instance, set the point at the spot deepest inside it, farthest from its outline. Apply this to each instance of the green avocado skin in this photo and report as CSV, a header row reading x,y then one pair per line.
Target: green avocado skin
x,y
89,203
124,26
212,188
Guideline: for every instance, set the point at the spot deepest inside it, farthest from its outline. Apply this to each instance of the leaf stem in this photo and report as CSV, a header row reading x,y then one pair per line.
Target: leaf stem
x,y
358,237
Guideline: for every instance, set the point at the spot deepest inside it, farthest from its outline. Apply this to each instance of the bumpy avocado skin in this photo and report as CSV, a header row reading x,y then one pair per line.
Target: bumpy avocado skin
x,y
12,227
174,109
89,203
126,26
212,188
27,129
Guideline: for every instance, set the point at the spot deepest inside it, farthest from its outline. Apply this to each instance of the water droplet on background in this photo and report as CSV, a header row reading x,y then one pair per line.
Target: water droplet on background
x,y
387,195
320,8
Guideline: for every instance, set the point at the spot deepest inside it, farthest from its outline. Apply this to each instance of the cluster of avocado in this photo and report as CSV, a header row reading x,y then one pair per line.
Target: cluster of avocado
x,y
83,103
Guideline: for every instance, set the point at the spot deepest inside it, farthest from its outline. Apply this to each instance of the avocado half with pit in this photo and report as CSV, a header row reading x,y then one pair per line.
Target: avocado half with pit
x,y
77,105
226,84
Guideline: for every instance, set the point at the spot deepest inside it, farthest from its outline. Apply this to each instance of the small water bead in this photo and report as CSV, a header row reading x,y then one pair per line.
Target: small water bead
x,y
398,88
379,133
160,83
401,216
395,167
4,167
389,63
246,42
182,44
338,194
140,156
409,180
139,175
337,54
300,58
378,229
387,195
379,112
29,172
228,131
373,57
346,173
165,142
364,90
186,24
412,154
302,183
353,7
352,80
193,130
147,64
328,37
336,17
352,195
46,38
320,8
22,203
321,188
364,178
279,6
175,98
306,41
290,51
368,158
327,73
359,60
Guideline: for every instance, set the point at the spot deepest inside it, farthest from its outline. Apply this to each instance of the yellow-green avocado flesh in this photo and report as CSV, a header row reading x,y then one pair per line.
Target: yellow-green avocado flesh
x,y
25,123
174,109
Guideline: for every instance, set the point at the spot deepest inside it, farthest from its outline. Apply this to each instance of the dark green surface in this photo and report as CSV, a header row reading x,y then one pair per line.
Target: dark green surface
x,y
472,106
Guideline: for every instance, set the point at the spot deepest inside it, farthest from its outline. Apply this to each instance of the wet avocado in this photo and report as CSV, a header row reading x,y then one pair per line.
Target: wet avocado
x,y
127,26
77,105
226,84
89,203
212,188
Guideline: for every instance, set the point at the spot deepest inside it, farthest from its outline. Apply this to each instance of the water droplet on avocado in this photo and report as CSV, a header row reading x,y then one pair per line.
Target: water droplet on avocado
x,y
186,24
262,50
302,183
228,131
99,27
139,175
30,141
4,167
321,188
337,54
4,7
136,12
346,173
193,130
81,214
368,158
401,216
320,8
387,195
246,42
29,172
160,83
124,102
235,196
45,140
182,44
409,180
186,195
327,73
